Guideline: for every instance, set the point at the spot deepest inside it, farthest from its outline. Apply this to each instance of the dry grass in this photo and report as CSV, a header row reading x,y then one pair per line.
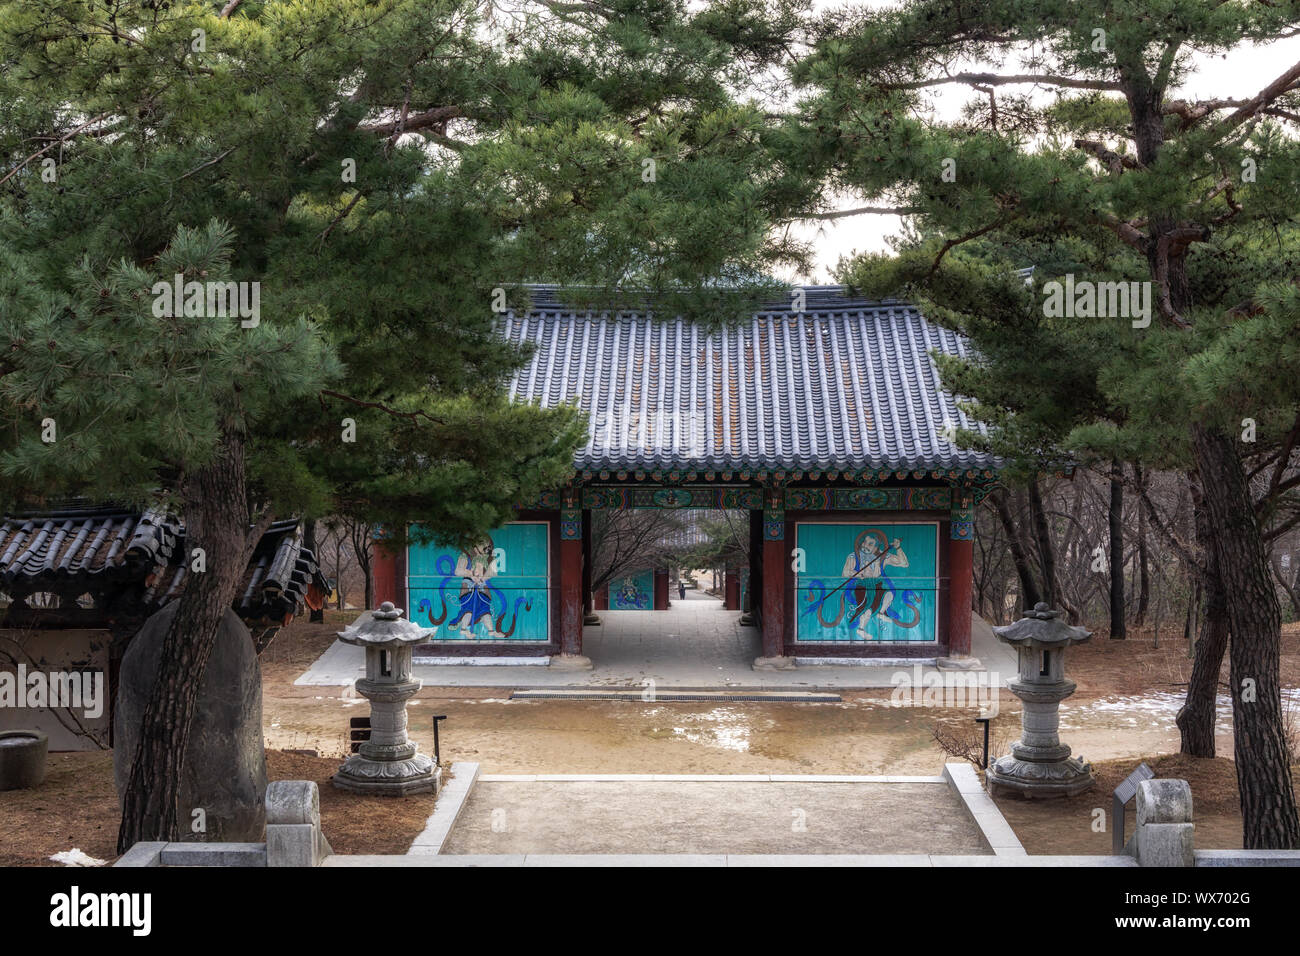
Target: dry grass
x,y
963,739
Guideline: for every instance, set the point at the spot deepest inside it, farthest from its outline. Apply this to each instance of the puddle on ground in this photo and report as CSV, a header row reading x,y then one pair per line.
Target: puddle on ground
x,y
722,728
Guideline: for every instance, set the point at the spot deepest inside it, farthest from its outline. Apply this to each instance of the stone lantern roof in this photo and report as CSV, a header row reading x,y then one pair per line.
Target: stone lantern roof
x,y
1042,627
382,627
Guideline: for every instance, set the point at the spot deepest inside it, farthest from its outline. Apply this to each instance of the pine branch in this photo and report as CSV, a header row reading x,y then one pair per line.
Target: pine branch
x,y
413,417
41,152
1115,162
436,118
1261,100
859,211
992,79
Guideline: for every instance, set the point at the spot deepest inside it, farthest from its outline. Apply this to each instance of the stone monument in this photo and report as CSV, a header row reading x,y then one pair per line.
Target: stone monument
x,y
1039,765
388,763
224,774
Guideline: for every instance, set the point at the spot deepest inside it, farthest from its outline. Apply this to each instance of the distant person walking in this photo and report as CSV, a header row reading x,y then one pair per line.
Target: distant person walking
x,y
681,589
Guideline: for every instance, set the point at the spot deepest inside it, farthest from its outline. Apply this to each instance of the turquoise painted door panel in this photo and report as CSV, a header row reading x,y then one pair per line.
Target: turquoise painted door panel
x,y
632,592
495,592
867,582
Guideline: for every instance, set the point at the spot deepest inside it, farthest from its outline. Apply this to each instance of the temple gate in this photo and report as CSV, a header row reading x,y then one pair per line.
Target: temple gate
x,y
827,425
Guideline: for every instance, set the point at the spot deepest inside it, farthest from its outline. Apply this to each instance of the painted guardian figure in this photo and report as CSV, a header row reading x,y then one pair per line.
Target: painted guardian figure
x,y
865,567
475,569
871,594
468,595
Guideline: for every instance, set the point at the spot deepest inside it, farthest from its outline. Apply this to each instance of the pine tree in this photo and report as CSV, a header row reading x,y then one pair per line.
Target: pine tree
x,y
1192,200
385,174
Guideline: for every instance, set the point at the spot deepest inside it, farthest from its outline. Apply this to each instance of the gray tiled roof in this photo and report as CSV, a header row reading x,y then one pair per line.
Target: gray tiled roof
x,y
123,552
848,384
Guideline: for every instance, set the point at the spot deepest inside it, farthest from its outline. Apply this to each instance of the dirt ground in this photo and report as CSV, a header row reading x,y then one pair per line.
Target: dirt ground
x,y
1069,826
1128,695
1122,713
77,807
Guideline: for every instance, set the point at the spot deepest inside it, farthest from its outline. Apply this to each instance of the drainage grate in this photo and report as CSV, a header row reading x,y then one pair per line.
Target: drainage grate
x,y
635,696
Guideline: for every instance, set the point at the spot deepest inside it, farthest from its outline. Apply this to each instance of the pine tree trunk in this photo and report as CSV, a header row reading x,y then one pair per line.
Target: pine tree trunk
x,y
1144,563
1046,553
1263,761
216,520
1196,719
1268,806
1117,629
1019,553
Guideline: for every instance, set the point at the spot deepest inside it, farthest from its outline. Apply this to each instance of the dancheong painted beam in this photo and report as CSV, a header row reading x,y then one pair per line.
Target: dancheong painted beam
x,y
626,497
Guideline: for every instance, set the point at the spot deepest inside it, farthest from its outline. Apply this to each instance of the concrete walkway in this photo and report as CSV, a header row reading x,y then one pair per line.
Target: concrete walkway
x,y
523,816
694,644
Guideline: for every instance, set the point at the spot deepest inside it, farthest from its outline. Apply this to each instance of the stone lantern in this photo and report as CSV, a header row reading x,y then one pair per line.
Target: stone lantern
x,y
1039,765
388,763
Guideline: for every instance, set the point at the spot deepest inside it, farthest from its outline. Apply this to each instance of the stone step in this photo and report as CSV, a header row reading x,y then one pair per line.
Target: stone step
x,y
678,696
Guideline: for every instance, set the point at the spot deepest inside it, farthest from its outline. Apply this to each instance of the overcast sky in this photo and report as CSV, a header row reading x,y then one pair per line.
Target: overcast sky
x,y
1238,74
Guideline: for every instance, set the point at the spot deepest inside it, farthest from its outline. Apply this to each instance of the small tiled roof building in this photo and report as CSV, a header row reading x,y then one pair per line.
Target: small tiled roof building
x,y
77,583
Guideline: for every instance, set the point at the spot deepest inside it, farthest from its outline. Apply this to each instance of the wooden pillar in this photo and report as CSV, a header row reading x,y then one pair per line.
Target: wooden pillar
x,y
731,590
754,612
774,564
570,589
388,574
961,563
383,572
660,590
588,601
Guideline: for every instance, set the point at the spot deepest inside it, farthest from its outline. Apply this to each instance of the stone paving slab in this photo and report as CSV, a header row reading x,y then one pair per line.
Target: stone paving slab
x,y
694,645
711,817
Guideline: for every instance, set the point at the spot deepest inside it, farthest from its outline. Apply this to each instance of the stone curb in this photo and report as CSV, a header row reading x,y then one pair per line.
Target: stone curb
x,y
705,860
698,778
1247,857
992,824
451,800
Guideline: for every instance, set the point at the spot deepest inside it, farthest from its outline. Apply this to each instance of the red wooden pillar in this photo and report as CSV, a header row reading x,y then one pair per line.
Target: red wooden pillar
x,y
774,565
588,600
570,590
388,573
731,590
754,613
961,564
661,590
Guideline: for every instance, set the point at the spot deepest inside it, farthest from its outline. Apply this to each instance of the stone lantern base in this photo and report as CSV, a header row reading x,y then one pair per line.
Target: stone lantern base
x,y
392,778
1035,779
